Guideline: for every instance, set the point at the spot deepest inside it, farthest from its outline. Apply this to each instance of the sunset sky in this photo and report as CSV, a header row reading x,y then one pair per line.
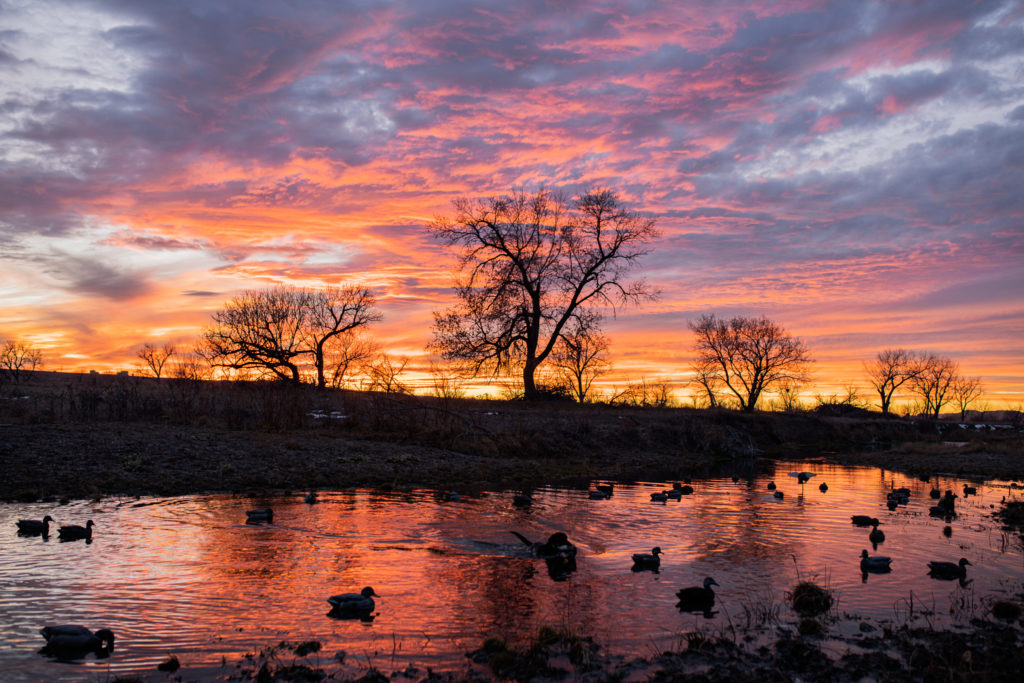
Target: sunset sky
x,y
853,170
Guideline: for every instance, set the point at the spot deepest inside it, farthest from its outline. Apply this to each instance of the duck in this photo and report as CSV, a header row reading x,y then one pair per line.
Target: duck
x,y
76,641
948,501
935,493
823,487
940,511
73,532
647,561
673,494
556,547
659,497
353,604
451,496
779,494
876,535
697,599
310,497
970,490
259,516
686,489
35,527
864,520
597,495
771,486
876,563
948,570
522,499
606,489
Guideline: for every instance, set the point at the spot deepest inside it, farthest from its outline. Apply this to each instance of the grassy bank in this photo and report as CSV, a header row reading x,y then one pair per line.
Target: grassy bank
x,y
69,435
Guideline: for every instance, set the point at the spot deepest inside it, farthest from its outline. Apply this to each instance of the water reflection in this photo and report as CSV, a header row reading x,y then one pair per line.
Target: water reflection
x,y
190,576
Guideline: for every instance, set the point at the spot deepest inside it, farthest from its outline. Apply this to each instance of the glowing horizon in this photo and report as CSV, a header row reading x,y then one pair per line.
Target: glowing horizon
x,y
851,170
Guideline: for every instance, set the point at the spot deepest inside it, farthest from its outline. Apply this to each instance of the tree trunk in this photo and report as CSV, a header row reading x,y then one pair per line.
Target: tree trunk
x,y
530,392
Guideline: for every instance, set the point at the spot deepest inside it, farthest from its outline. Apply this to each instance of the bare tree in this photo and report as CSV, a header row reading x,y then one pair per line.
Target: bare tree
x,y
334,312
934,383
580,358
966,390
155,357
529,265
19,359
275,330
382,375
749,355
706,382
346,355
891,369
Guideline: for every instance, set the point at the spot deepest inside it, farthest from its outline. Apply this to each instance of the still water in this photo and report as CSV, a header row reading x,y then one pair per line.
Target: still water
x,y
187,576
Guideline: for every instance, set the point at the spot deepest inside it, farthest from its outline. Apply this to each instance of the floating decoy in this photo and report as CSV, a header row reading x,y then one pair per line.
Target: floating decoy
x,y
779,494
522,499
647,561
67,641
901,492
891,504
686,490
597,495
935,493
970,490
606,489
310,497
771,486
451,496
35,527
353,604
73,532
864,520
557,546
659,497
823,487
878,564
948,570
948,501
259,516
876,535
674,494
697,599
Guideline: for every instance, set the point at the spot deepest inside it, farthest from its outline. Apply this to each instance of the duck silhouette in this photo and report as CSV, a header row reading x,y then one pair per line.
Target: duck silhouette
x,y
259,516
556,547
877,535
310,497
353,605
35,527
73,532
642,561
864,520
970,490
877,564
74,642
823,487
948,571
696,598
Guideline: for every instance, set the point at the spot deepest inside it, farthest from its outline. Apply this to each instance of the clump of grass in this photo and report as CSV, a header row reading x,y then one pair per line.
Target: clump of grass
x,y
809,599
809,626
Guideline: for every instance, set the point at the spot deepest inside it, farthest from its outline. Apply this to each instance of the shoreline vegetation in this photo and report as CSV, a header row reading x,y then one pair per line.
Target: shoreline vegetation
x,y
66,436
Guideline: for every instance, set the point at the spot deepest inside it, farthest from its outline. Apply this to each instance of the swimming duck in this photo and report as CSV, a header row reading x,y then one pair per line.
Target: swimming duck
x,y
647,561
878,563
864,520
259,516
35,527
597,495
67,641
948,501
522,499
451,496
771,486
941,511
556,547
823,487
935,493
353,604
948,570
686,489
674,494
970,490
779,494
659,497
697,599
876,535
310,497
75,533
606,489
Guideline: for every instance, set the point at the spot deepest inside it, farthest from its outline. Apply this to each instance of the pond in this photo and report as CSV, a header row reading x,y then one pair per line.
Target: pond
x,y
188,576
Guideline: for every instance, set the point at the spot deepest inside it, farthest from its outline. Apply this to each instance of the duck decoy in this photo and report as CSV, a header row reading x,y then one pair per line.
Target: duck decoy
x,y
948,570
35,527
779,494
659,497
650,560
349,605
70,642
823,487
891,503
864,520
557,546
878,564
259,516
697,599
310,497
597,495
771,486
606,489
522,499
948,501
686,489
451,496
941,511
877,535
74,532
935,493
970,490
